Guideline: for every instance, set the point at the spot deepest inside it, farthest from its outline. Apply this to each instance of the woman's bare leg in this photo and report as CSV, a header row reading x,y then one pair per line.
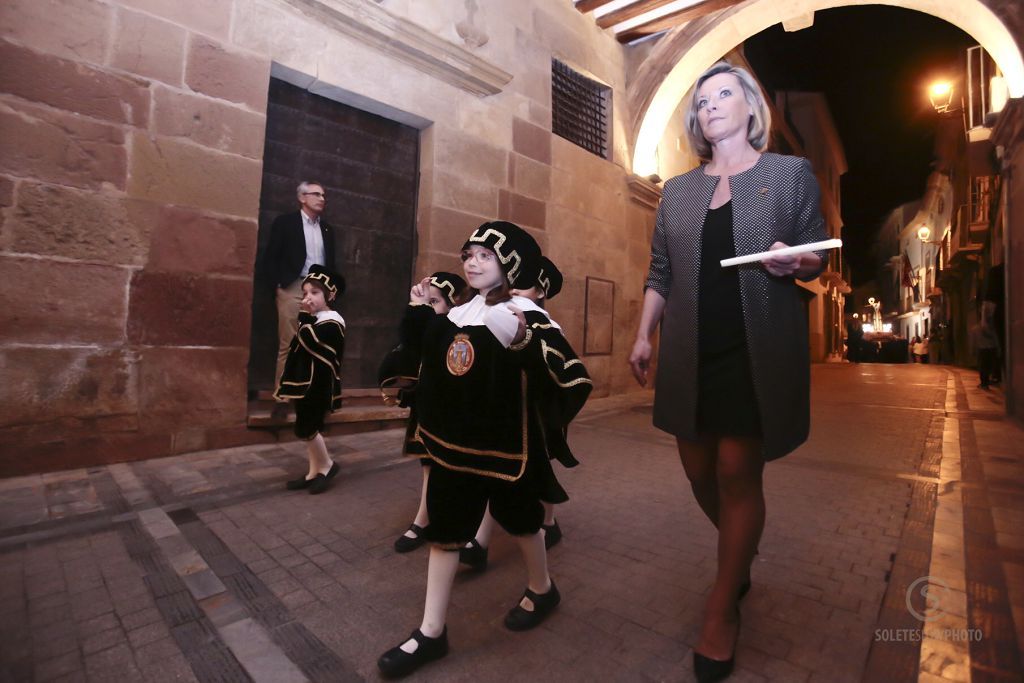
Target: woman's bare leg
x,y
740,522
698,458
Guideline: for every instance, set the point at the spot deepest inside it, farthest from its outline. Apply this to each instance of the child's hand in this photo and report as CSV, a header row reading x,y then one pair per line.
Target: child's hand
x,y
420,292
521,331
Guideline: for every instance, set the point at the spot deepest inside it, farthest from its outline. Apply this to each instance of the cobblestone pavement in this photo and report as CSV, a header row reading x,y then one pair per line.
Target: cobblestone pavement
x,y
203,568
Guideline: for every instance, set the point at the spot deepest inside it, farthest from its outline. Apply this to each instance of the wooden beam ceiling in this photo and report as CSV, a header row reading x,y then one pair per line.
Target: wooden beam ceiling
x,y
591,5
629,12
674,19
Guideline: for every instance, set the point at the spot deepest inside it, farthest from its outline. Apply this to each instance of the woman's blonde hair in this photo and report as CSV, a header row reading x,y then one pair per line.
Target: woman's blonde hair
x,y
758,127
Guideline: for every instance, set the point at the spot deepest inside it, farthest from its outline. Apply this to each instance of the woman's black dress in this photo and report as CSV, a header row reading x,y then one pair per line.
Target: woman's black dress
x,y
726,403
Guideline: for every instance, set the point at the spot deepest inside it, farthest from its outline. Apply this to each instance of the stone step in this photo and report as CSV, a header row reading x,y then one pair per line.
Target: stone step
x,y
372,417
349,398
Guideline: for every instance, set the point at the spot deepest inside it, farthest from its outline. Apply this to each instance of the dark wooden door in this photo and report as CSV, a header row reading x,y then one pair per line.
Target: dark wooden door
x,y
369,168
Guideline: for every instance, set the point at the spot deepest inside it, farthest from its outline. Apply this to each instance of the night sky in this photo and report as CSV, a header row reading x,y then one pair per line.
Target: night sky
x,y
873,64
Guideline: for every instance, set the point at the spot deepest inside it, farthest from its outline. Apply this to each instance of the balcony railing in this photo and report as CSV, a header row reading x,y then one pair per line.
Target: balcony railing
x,y
970,226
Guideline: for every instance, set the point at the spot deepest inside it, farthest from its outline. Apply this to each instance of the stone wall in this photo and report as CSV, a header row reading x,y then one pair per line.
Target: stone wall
x,y
130,145
1009,136
131,139
1013,218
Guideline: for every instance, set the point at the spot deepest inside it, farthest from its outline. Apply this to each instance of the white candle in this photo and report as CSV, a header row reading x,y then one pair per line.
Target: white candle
x,y
785,251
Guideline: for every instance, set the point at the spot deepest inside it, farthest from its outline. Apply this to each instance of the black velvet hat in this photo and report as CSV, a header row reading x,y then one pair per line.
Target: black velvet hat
x,y
332,282
518,253
550,278
450,285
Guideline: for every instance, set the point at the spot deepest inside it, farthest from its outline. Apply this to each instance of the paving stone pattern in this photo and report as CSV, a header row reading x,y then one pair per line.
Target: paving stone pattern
x,y
202,568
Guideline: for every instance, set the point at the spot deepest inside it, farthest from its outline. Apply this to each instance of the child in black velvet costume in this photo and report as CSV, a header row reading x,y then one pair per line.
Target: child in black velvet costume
x,y
482,366
474,554
312,373
400,369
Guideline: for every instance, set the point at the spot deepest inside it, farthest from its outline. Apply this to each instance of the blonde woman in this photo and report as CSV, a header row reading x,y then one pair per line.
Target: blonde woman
x,y
733,379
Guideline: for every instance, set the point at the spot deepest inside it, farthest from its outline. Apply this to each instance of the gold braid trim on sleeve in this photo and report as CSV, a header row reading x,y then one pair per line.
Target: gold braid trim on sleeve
x,y
523,344
545,349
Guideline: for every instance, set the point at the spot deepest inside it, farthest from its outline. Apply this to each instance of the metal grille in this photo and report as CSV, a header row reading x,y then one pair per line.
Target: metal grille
x,y
580,109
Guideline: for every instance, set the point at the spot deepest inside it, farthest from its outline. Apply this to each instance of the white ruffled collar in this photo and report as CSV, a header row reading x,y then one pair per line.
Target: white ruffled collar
x,y
472,313
330,315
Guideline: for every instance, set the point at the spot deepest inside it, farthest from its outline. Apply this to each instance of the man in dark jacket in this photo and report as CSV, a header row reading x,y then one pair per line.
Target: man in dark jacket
x,y
297,241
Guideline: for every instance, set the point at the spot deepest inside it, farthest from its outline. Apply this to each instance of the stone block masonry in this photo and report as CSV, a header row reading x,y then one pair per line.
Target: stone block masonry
x,y
131,135
132,141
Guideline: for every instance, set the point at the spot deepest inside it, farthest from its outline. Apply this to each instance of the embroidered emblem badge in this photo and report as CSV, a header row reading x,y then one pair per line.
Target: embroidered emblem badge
x,y
460,355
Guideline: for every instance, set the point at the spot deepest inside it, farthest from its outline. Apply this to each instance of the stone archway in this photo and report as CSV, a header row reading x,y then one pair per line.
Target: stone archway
x,y
676,61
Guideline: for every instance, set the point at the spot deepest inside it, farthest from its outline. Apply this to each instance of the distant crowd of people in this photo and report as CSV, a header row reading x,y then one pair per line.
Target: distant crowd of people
x,y
937,346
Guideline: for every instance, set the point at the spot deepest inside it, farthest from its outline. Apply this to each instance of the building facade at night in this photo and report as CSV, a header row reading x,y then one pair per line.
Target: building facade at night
x,y
922,254
809,117
145,146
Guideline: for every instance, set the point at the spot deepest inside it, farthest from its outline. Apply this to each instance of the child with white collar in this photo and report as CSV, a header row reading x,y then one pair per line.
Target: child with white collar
x,y
474,554
482,367
312,373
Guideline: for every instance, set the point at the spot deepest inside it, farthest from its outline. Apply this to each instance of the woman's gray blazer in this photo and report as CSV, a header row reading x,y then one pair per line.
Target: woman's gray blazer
x,y
776,200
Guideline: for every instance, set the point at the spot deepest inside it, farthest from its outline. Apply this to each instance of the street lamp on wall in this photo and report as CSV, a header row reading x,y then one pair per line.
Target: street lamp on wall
x,y
923,233
941,95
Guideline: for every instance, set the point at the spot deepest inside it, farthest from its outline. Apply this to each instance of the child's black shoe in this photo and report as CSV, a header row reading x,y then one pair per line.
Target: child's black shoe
x,y
475,556
396,662
406,544
298,484
552,534
320,481
519,619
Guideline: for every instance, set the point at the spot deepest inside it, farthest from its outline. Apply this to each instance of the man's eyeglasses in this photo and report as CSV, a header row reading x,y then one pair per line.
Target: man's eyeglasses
x,y
316,194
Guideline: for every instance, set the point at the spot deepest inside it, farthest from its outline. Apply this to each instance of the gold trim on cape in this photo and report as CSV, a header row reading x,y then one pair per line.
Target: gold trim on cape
x,y
545,350
522,457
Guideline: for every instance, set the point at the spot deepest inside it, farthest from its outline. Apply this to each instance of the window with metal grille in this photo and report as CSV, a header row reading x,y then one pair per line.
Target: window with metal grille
x,y
581,109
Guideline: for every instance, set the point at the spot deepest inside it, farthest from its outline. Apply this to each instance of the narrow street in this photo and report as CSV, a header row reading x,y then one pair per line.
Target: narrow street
x,y
203,568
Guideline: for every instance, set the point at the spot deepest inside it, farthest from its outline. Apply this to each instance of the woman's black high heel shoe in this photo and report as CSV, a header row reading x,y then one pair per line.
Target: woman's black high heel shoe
x,y
708,670
396,662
